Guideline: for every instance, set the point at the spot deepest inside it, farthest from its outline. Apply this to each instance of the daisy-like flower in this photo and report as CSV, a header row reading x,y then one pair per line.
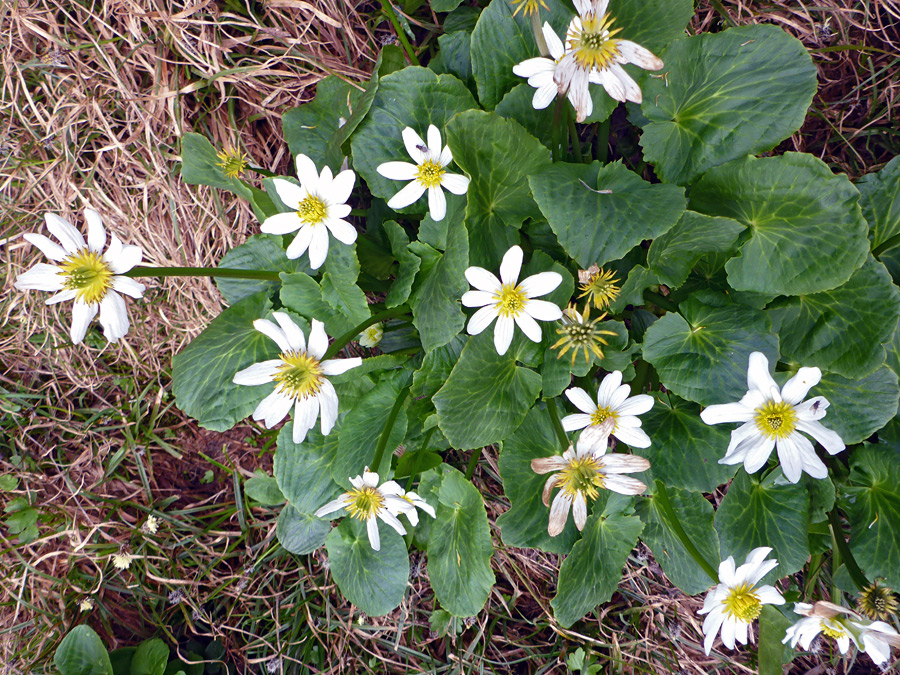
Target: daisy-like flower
x,y
85,274
232,161
581,472
601,286
580,333
300,377
428,173
540,70
775,418
736,601
877,602
417,502
368,501
371,336
877,638
320,205
510,302
594,55
823,617
613,401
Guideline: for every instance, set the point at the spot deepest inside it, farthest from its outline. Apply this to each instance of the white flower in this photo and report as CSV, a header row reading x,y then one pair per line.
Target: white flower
x,y
510,302
368,501
416,501
151,525
772,418
320,205
613,401
823,617
540,71
122,560
877,638
582,471
85,274
300,377
736,601
371,336
428,173
594,55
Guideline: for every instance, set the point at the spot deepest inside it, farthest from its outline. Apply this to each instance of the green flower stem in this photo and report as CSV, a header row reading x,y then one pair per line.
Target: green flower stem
x,y
641,377
675,525
573,138
141,271
557,128
386,432
342,341
557,425
539,35
602,141
842,551
473,463
392,17
660,301
423,448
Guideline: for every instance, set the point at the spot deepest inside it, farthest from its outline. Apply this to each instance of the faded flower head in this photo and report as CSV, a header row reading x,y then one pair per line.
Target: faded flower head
x,y
151,525
580,333
232,161
599,285
122,560
528,7
823,617
877,602
86,605
371,336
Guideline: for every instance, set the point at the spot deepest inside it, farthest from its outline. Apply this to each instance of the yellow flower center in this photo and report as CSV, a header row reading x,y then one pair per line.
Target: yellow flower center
x,y
312,210
601,414
232,161
300,375
366,503
510,300
88,275
742,603
430,173
581,475
833,629
580,332
776,419
593,45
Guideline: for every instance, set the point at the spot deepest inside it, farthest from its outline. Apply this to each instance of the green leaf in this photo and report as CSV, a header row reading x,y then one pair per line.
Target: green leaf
x,y
486,396
702,353
632,292
413,97
525,523
685,451
807,233
516,105
597,227
202,372
200,164
150,658
772,627
696,517
303,470
673,255
841,330
121,660
501,154
872,504
439,285
301,533
264,489
416,462
82,653
436,367
374,581
755,514
459,547
861,407
444,5
592,571
259,252
454,57
724,95
409,265
880,202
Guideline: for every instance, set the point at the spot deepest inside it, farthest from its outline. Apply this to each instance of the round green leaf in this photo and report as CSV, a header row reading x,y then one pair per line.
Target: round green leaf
x,y
301,533
595,227
303,470
592,571
259,252
374,581
263,489
807,233
413,97
724,95
150,658
486,396
861,407
873,508
685,452
525,523
841,330
880,202
82,653
755,514
695,514
202,372
453,56
459,547
702,353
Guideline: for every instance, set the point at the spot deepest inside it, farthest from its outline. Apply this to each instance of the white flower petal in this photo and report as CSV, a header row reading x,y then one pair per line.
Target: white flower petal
x,y
758,377
393,521
41,277
813,409
559,511
306,411
47,246
528,326
631,88
398,170
82,315
113,316
576,421
328,403
638,55
332,506
270,330
579,511
636,405
543,310
128,286
503,334
580,399
341,187
281,223
510,266
434,141
726,413
343,231
300,243
531,67
372,530
477,298
307,173
437,203
121,258
620,463
338,366
483,280
318,339
318,246
407,195
291,331
544,96
829,439
481,320
414,143
455,183
796,388
758,454
618,397
62,296
273,408
290,194
768,595
539,284
554,44
259,373
96,238
632,436
624,485
68,236
608,387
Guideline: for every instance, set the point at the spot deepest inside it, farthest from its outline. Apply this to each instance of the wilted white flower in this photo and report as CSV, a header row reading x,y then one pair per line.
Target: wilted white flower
x,y
540,71
122,560
320,206
85,274
823,617
736,601
371,336
510,302
416,501
86,605
582,471
613,401
299,375
775,418
368,501
151,525
877,638
428,173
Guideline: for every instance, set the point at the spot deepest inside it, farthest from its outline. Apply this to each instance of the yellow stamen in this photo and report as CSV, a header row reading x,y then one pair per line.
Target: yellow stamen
x,y
581,475
600,285
776,419
743,603
430,173
510,300
593,46
529,7
88,275
232,161
367,501
832,629
312,210
300,375
601,414
579,332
